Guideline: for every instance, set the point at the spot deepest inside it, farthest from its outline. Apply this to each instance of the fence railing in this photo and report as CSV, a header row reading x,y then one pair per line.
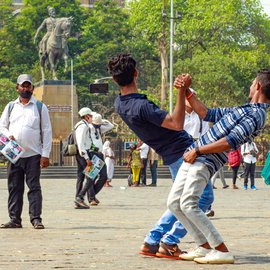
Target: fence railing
x,y
57,159
121,154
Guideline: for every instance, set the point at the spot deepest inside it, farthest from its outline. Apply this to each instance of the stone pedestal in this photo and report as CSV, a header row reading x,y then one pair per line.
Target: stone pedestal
x,y
57,95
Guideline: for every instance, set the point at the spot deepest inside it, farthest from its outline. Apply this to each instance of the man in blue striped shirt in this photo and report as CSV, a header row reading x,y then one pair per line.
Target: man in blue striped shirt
x,y
233,127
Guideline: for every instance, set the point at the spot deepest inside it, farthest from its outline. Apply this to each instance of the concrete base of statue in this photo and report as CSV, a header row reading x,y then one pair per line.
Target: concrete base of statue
x,y
59,97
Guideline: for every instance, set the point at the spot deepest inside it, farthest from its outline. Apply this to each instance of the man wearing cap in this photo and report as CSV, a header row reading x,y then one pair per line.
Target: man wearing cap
x,y
27,121
92,187
84,142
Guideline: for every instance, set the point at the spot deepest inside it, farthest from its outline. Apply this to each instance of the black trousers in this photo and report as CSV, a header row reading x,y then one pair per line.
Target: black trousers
x,y
28,170
81,164
143,171
93,186
235,171
249,171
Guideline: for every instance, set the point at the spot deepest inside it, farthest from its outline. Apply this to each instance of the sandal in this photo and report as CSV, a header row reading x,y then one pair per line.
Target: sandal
x,y
10,225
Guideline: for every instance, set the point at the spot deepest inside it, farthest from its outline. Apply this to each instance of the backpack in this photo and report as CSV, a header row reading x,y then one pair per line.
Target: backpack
x,y
70,147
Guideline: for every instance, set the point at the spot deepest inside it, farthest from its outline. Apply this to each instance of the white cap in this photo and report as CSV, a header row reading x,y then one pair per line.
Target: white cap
x,y
84,111
24,78
97,119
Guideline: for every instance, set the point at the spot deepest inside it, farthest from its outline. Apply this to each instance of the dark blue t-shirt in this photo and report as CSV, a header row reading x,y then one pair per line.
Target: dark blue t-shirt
x,y
145,119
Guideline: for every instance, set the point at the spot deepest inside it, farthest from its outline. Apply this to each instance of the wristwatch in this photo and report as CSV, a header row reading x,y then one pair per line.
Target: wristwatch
x,y
197,151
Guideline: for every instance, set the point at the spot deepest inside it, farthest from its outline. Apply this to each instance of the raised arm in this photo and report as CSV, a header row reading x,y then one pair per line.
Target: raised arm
x,y
196,104
175,121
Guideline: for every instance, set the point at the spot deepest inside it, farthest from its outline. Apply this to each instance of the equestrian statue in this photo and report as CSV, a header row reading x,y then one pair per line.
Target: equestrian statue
x,y
53,45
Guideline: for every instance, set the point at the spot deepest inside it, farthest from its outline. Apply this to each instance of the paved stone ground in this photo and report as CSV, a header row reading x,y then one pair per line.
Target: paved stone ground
x,y
109,236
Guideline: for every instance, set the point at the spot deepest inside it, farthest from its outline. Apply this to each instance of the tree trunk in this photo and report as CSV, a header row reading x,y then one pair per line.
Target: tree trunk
x,y
164,73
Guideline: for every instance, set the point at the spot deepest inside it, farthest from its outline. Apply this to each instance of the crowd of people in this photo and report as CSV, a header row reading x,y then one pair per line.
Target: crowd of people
x,y
193,151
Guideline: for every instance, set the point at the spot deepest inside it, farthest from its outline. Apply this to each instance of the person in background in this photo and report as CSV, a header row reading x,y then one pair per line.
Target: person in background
x,y
132,147
220,172
92,187
234,161
109,160
30,126
144,150
136,165
249,152
153,163
84,142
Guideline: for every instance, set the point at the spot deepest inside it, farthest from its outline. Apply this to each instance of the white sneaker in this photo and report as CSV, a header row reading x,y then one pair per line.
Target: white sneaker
x,y
216,257
196,253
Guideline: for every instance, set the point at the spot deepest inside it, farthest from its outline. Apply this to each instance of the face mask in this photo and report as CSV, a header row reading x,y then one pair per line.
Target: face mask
x,y
26,94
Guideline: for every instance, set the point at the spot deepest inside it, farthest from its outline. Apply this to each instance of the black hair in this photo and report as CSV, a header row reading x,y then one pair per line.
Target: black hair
x,y
122,68
263,77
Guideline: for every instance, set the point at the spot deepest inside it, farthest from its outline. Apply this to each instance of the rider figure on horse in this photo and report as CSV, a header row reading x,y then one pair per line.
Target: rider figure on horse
x,y
49,23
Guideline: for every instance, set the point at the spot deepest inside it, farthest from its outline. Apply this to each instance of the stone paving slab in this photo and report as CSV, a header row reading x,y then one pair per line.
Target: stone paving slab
x,y
109,236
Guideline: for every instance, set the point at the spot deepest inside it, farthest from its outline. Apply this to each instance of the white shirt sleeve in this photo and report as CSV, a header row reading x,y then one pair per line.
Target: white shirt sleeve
x,y
46,132
106,126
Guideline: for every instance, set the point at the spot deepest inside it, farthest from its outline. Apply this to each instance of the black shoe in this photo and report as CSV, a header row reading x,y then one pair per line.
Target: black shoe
x,y
11,225
152,185
37,224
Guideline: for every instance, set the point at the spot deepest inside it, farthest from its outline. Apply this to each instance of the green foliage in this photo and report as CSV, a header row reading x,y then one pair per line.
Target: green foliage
x,y
7,92
103,35
222,44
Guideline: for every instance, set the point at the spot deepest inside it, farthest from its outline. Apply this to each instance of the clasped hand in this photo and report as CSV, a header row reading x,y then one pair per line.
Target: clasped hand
x,y
183,81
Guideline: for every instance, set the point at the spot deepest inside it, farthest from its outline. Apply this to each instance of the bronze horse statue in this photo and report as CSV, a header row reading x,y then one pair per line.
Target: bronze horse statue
x,y
56,47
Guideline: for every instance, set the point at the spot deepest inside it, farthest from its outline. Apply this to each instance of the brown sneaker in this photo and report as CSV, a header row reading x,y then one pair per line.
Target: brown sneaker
x,y
149,250
169,251
235,187
93,203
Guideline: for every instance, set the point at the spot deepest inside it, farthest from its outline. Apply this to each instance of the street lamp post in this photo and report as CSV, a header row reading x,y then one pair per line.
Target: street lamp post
x,y
171,56
172,28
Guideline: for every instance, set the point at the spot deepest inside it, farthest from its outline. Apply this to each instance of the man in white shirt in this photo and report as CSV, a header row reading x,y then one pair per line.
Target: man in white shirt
x,y
144,149
84,143
193,124
249,153
92,142
27,121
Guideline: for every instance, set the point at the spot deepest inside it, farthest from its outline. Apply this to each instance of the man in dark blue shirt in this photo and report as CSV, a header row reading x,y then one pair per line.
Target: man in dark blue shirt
x,y
164,133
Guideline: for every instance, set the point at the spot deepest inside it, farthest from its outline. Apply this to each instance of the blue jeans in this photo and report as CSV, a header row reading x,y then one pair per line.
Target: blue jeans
x,y
168,225
153,169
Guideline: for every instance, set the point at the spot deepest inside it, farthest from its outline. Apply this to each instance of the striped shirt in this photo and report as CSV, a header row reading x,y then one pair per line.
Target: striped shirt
x,y
238,125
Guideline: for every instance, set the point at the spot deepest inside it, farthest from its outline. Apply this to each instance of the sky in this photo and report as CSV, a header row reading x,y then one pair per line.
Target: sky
x,y
266,6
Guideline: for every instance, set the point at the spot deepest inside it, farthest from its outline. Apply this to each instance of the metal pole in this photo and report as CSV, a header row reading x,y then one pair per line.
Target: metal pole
x,y
72,93
171,56
72,101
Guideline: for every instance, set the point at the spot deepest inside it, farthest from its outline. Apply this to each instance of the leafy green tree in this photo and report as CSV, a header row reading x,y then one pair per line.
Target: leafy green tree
x,y
103,35
7,92
222,44
150,32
